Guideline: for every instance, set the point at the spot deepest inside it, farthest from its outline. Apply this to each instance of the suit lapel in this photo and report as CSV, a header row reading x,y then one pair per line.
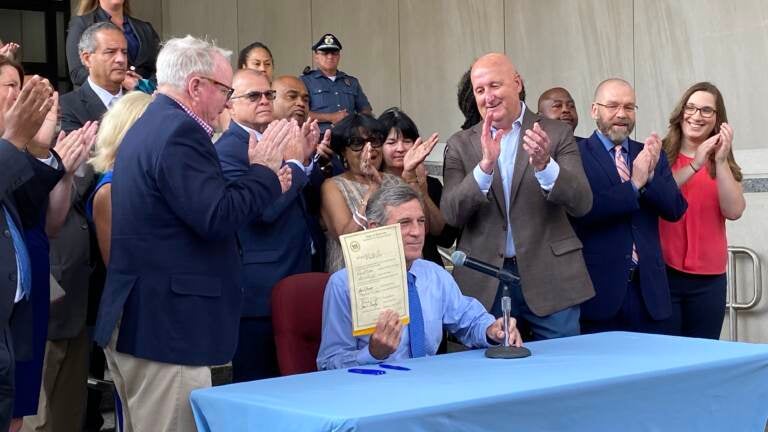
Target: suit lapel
x,y
497,188
521,157
602,158
93,105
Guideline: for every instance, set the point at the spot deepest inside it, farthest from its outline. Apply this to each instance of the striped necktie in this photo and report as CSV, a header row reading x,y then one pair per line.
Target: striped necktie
x,y
416,326
22,256
623,169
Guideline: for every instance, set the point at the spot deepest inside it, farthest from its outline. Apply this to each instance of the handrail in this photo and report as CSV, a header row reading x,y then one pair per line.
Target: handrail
x,y
757,287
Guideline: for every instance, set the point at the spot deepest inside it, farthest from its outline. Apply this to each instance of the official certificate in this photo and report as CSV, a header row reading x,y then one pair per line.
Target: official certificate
x,y
377,275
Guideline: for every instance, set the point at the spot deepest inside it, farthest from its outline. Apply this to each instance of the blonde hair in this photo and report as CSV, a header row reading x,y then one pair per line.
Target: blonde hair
x,y
114,125
88,6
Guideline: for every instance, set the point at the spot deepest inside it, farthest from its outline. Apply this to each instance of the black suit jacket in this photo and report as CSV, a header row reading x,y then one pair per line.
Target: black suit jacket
x,y
24,186
80,106
149,45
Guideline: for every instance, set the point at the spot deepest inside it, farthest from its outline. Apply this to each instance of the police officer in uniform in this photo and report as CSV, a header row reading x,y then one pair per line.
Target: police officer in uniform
x,y
332,93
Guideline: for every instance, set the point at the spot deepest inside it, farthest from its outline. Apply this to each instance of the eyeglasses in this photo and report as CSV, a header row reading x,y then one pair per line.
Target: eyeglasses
x,y
614,108
705,111
255,96
356,143
223,88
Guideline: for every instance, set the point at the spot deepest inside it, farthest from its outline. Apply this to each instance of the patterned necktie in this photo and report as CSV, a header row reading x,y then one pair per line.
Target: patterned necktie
x,y
623,169
416,326
22,255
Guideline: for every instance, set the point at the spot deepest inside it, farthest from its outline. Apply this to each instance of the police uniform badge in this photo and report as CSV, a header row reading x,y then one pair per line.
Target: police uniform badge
x,y
347,82
328,40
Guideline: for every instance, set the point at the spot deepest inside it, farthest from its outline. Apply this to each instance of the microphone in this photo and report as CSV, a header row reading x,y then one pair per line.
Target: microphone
x,y
503,351
460,259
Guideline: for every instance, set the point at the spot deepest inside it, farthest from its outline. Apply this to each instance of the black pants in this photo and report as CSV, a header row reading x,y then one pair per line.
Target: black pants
x,y
698,304
7,367
256,355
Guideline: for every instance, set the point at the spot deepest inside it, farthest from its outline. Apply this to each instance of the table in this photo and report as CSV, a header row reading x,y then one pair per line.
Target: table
x,y
600,382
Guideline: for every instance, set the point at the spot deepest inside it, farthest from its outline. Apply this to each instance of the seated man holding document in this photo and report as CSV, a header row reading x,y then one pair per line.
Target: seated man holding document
x,y
427,298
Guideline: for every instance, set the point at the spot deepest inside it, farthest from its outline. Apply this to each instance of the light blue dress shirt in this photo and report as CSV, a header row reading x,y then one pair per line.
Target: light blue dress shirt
x,y
441,302
506,164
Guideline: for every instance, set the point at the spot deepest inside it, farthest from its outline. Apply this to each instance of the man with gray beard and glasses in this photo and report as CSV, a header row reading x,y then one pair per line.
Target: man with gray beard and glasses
x,y
632,187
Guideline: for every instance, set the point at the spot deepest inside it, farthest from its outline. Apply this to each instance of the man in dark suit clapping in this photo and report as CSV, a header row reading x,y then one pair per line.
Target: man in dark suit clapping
x,y
172,301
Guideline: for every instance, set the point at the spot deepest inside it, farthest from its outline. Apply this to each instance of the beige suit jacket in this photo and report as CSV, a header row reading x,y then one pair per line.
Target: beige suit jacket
x,y
551,266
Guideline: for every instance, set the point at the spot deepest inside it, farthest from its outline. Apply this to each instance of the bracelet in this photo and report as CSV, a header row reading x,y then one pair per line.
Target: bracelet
x,y
695,170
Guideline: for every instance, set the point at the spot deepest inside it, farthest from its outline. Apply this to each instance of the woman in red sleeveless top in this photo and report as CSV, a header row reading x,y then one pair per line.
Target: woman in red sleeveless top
x,y
699,148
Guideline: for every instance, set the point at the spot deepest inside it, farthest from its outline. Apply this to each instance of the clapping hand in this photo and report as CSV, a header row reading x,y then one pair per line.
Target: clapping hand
x,y
75,147
537,144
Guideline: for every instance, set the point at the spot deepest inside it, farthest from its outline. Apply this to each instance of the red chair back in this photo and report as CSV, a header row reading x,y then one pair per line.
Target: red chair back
x,y
297,317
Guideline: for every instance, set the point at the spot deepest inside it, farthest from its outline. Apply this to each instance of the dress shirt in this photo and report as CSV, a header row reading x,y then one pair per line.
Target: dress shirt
x,y
107,98
610,145
442,304
506,164
53,163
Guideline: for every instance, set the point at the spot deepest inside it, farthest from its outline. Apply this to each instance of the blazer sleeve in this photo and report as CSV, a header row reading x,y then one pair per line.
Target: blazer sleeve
x,y
608,204
190,179
462,196
151,43
663,194
32,196
77,25
69,119
299,179
14,168
571,189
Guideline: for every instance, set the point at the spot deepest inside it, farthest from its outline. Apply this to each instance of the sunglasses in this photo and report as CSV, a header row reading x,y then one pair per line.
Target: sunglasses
x,y
357,143
255,96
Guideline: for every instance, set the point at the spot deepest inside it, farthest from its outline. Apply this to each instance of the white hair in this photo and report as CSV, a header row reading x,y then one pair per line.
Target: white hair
x,y
182,57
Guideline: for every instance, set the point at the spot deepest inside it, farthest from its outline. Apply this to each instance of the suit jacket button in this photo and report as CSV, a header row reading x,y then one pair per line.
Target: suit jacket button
x,y
84,226
6,234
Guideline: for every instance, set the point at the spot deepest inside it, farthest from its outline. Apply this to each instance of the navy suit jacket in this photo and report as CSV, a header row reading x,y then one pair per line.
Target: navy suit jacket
x,y
174,267
24,186
275,243
620,216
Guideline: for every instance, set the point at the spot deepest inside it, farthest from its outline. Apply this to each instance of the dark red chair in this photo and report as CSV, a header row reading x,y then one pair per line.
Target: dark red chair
x,y
297,317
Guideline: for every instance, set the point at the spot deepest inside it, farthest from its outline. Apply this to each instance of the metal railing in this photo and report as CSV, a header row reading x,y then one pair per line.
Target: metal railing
x,y
732,304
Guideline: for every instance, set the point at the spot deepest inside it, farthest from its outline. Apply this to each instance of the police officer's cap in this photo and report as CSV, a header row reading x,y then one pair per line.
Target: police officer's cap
x,y
327,42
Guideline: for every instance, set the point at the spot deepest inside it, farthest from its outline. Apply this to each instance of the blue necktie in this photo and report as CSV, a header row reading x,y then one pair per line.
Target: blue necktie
x,y
22,255
416,326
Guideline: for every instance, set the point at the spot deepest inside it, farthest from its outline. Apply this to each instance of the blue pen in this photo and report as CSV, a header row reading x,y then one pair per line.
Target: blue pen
x,y
367,371
393,367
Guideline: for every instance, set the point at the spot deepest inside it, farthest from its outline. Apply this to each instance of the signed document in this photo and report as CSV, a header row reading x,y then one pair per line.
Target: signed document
x,y
375,262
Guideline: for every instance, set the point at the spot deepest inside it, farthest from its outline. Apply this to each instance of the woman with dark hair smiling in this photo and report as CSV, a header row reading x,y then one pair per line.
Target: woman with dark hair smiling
x,y
699,148
404,154
357,139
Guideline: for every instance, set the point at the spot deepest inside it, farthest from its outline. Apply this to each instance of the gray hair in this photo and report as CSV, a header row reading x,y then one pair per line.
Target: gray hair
x,y
181,58
88,39
389,196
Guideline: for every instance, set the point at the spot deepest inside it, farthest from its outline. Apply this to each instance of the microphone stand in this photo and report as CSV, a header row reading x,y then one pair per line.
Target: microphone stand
x,y
505,350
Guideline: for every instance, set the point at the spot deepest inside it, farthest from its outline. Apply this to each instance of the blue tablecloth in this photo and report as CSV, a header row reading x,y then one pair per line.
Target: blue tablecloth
x,y
601,382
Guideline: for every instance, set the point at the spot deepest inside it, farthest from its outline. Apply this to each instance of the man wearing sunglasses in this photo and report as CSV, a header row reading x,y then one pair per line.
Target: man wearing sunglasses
x,y
275,243
632,187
